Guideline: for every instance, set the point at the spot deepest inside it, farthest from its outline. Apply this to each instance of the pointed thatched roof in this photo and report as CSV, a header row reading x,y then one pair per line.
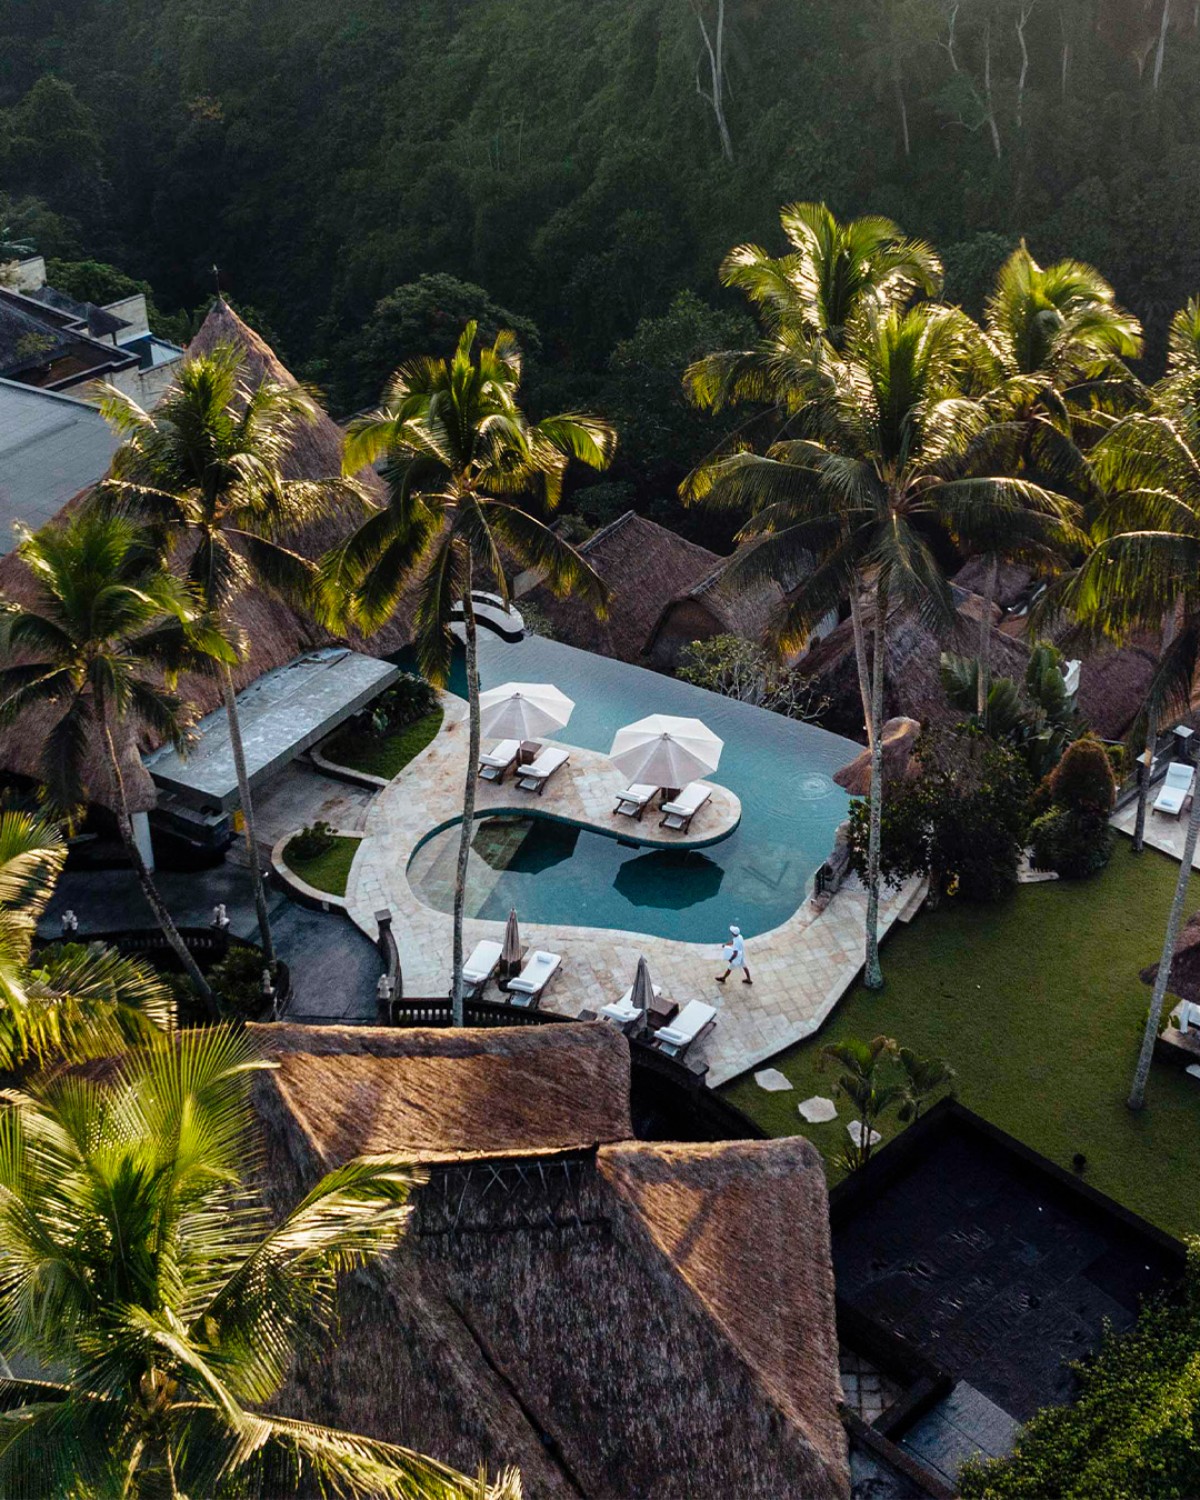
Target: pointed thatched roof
x,y
617,1319
274,633
713,605
643,564
899,739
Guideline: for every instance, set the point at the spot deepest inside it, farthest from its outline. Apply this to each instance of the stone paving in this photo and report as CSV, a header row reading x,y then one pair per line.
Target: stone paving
x,y
1162,832
801,968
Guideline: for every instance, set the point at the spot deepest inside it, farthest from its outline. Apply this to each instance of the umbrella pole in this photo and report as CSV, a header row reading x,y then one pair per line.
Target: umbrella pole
x,y
458,993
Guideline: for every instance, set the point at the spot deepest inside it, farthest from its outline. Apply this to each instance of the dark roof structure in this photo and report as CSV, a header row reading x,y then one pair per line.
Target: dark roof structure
x,y
642,563
53,348
617,1319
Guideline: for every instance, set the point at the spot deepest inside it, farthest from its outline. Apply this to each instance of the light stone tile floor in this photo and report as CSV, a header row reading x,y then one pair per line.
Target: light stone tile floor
x,y
1162,832
801,968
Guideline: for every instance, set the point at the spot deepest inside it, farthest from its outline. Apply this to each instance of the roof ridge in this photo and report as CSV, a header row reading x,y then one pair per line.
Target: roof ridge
x,y
607,530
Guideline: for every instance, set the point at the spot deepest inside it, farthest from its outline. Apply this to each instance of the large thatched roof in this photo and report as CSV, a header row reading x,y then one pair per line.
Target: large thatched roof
x,y
713,605
618,1319
643,564
1184,980
274,633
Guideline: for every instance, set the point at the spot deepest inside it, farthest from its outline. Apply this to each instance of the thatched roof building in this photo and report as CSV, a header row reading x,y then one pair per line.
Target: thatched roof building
x,y
712,606
274,633
617,1319
899,739
1184,980
643,564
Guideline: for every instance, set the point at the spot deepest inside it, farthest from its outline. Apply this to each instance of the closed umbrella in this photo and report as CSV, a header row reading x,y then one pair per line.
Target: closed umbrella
x,y
642,994
666,751
523,710
510,954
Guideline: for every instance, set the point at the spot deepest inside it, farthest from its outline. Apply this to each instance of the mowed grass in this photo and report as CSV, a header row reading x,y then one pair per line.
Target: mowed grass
x,y
1038,1005
328,871
384,756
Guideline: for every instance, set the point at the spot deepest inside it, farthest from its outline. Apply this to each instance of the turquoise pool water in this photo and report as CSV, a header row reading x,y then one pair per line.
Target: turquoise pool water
x,y
551,872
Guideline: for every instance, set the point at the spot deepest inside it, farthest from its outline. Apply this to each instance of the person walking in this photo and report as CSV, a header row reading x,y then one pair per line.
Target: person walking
x,y
734,954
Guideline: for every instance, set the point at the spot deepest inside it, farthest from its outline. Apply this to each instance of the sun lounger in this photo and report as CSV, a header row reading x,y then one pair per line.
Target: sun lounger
x,y
634,799
481,965
623,1011
1176,789
530,984
679,814
499,760
533,778
694,1021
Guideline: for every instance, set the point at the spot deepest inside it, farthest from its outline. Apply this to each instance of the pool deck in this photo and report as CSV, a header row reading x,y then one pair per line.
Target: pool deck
x,y
801,968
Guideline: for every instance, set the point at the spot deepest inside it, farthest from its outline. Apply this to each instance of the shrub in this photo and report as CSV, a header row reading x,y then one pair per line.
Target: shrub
x,y
742,669
1084,778
408,699
312,841
1071,834
237,982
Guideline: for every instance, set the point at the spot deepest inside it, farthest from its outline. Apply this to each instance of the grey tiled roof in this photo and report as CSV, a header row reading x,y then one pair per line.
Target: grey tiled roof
x,y
51,447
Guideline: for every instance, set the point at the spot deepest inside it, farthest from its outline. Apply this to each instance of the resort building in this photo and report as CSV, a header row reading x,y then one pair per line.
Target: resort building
x,y
614,1317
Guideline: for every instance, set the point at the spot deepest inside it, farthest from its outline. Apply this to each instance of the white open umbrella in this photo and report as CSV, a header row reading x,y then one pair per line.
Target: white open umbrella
x,y
666,751
523,710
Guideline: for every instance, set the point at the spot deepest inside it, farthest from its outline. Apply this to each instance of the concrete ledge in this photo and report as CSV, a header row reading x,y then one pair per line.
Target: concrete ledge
x,y
345,773
300,890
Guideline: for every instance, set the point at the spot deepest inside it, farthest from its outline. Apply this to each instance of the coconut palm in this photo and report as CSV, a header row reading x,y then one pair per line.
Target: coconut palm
x,y
99,646
458,452
1146,568
1055,344
807,301
140,1273
899,457
73,1000
205,470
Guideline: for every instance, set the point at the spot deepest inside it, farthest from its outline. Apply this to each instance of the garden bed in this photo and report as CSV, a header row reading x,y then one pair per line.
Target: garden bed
x,y
383,756
329,870
1036,1002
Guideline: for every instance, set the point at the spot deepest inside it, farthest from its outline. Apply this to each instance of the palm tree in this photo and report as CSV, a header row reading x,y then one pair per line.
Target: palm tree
x,y
923,1077
74,1000
807,301
860,1085
898,458
458,451
1146,568
100,646
145,1278
205,469
1055,344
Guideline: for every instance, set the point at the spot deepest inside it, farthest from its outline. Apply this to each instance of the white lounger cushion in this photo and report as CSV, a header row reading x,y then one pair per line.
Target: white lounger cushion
x,y
482,962
639,794
546,764
624,1008
536,974
1176,789
688,1024
690,800
502,754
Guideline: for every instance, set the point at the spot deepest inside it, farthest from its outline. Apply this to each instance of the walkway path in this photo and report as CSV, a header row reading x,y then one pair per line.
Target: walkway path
x,y
801,968
1162,832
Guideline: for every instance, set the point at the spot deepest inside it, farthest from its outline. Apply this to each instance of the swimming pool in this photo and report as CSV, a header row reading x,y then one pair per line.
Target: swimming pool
x,y
554,872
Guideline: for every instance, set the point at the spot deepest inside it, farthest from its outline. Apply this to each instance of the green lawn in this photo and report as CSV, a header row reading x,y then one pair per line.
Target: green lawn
x,y
328,871
386,756
1038,1005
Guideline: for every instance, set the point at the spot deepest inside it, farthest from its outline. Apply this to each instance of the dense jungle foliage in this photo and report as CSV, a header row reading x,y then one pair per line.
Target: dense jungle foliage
x,y
583,165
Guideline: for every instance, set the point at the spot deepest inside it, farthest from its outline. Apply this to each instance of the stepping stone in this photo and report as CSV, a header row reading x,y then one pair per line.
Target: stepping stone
x,y
854,1131
772,1080
1193,1069
818,1110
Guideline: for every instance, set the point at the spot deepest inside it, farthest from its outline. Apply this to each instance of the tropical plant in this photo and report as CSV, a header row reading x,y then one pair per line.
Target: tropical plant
x,y
1038,717
896,461
861,1084
99,646
807,301
738,668
924,1077
458,451
205,470
70,999
144,1277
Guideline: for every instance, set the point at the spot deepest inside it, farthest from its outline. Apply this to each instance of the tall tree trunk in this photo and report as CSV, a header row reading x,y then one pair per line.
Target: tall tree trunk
x,y
898,86
860,660
153,900
1137,1094
1022,22
464,840
243,781
983,672
715,94
1143,801
873,973
987,90
1161,49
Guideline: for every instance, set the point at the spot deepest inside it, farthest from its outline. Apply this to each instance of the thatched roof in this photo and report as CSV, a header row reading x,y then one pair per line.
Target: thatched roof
x,y
617,1319
274,633
713,605
899,739
1012,580
1184,982
643,564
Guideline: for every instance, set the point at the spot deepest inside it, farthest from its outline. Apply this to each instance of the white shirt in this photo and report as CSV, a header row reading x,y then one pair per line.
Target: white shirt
x,y
737,949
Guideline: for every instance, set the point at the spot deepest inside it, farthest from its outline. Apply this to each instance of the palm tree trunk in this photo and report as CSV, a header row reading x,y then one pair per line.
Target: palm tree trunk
x,y
464,841
983,671
1137,1094
153,900
243,781
873,974
860,659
